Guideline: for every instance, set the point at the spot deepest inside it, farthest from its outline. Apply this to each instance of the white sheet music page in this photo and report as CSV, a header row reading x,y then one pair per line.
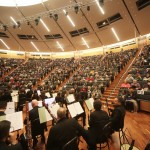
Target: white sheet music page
x,y
16,120
54,95
15,98
48,116
91,101
70,98
78,108
47,94
72,110
10,108
53,108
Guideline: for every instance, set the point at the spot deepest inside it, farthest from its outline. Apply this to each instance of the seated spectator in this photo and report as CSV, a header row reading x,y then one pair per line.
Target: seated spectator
x,y
147,78
125,84
136,85
129,79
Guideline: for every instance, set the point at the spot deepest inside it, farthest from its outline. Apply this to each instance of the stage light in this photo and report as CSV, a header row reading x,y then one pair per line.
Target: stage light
x,y
55,17
76,9
114,32
37,21
5,27
88,8
101,2
5,44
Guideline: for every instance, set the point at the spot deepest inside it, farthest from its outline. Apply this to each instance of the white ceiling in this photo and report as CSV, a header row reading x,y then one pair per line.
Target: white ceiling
x,y
96,37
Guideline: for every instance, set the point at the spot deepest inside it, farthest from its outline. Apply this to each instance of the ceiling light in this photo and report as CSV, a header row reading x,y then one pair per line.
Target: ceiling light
x,y
85,42
34,46
60,46
14,21
45,25
101,9
114,32
5,44
15,3
69,18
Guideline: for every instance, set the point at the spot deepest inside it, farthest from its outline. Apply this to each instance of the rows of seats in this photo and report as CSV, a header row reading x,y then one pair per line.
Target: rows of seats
x,y
7,64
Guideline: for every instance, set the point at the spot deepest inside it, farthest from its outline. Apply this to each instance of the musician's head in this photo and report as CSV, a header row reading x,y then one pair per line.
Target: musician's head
x,y
97,105
61,113
117,102
4,130
34,103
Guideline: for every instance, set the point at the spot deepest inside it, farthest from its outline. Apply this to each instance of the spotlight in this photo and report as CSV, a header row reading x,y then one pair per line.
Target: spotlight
x,y
50,15
76,9
37,21
5,27
101,2
55,17
19,24
88,8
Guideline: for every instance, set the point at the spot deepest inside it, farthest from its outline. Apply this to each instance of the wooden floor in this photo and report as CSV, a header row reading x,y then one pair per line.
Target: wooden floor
x,y
138,125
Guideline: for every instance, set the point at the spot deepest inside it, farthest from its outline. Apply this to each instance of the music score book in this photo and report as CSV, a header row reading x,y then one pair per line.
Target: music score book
x,y
10,108
89,103
70,98
16,120
75,109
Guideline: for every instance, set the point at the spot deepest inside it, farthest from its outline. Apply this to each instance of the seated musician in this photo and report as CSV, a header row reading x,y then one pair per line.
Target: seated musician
x,y
118,114
98,119
6,140
36,127
3,106
64,131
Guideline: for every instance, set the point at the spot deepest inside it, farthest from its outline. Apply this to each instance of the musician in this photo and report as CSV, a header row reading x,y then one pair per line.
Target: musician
x,y
64,131
36,127
98,119
3,106
118,114
6,142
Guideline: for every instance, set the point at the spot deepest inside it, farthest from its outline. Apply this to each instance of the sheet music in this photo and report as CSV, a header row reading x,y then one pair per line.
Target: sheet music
x,y
54,108
27,90
48,116
16,120
47,94
14,92
88,104
54,95
72,110
15,98
39,104
42,114
70,98
50,101
10,108
91,101
78,108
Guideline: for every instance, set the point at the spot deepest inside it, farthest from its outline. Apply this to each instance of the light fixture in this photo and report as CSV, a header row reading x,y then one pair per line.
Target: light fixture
x,y
76,9
37,21
88,8
114,32
84,41
45,25
12,3
69,18
34,46
5,27
55,17
5,44
101,9
60,46
14,20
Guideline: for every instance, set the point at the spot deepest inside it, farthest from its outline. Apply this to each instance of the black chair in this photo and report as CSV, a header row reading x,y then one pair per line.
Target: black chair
x,y
105,136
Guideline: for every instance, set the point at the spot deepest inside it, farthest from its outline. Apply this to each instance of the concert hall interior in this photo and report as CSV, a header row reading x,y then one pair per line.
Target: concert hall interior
x,y
74,75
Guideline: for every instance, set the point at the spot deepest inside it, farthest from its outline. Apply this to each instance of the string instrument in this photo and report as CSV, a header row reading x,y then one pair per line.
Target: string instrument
x,y
28,128
49,111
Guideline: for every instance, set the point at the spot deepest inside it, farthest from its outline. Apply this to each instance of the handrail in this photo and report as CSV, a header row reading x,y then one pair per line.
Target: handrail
x,y
123,75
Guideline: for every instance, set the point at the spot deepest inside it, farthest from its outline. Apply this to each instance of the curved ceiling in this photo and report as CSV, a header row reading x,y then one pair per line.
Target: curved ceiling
x,y
90,27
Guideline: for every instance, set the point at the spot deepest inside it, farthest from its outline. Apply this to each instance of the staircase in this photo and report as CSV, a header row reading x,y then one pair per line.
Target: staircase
x,y
112,91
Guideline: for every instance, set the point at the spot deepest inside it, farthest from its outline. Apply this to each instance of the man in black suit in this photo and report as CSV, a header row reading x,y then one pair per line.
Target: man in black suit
x,y
64,131
118,114
5,143
98,119
36,127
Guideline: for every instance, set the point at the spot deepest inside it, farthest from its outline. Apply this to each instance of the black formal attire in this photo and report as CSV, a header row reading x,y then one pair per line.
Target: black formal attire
x,y
36,127
117,117
64,131
2,113
4,146
98,119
